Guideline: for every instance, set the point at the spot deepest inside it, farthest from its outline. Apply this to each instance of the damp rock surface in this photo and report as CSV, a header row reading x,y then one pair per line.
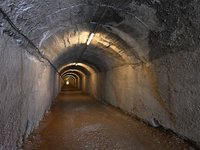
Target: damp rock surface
x,y
77,121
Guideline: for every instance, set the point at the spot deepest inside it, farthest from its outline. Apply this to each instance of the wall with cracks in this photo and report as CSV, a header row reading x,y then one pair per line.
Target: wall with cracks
x,y
144,59
28,86
163,92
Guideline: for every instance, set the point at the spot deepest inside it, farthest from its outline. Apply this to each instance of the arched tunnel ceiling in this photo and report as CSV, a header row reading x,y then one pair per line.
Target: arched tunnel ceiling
x,y
73,75
129,32
87,70
66,47
78,73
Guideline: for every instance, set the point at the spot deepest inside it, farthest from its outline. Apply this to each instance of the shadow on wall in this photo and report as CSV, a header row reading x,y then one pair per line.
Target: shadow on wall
x,y
165,90
28,87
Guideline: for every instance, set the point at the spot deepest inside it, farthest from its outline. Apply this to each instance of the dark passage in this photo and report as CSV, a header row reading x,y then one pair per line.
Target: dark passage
x,y
77,121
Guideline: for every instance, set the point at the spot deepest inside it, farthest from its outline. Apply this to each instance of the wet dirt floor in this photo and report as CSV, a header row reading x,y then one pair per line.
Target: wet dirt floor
x,y
77,121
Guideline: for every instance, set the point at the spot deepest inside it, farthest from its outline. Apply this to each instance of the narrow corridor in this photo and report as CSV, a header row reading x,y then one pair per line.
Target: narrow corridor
x,y
76,121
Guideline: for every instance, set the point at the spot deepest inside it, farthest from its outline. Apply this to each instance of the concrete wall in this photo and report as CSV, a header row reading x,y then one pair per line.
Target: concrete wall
x,y
72,82
27,89
166,89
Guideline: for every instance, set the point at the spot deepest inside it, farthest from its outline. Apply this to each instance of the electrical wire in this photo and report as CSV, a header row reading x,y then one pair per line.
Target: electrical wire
x,y
29,41
36,49
95,29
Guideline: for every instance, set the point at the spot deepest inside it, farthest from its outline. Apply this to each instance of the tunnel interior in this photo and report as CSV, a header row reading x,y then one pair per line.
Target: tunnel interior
x,y
143,59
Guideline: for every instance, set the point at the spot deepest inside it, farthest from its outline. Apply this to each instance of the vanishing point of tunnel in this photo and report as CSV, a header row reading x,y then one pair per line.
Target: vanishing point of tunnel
x,y
99,74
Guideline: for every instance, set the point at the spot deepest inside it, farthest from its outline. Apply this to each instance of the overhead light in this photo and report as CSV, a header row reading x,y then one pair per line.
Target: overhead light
x,y
90,39
76,64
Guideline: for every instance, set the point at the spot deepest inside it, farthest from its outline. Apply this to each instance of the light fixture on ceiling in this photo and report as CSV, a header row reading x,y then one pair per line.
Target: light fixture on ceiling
x,y
90,39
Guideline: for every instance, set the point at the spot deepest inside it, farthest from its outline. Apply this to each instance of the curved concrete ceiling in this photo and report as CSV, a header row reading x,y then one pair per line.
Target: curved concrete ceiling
x,y
79,66
73,68
73,75
79,73
127,32
63,48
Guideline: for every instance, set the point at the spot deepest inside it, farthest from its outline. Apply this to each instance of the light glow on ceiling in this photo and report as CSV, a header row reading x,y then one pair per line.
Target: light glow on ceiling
x,y
90,39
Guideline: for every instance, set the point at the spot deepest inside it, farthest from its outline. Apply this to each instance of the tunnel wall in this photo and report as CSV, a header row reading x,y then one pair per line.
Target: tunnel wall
x,y
27,88
164,91
72,82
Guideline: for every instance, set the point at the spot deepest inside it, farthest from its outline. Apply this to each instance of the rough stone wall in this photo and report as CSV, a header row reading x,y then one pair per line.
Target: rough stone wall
x,y
166,89
161,34
27,89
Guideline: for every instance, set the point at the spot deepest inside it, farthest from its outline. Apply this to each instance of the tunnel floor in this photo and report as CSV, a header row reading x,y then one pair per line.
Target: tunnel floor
x,y
77,121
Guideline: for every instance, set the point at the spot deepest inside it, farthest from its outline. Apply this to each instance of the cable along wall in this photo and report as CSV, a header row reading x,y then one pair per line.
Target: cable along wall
x,y
145,62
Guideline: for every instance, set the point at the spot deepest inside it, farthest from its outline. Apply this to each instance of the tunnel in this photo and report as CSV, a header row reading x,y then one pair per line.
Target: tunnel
x,y
140,56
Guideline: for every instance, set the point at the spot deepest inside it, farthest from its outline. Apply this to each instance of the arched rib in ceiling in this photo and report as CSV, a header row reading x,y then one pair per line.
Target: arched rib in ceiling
x,y
72,78
77,72
73,68
62,29
69,74
65,47
74,75
86,66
